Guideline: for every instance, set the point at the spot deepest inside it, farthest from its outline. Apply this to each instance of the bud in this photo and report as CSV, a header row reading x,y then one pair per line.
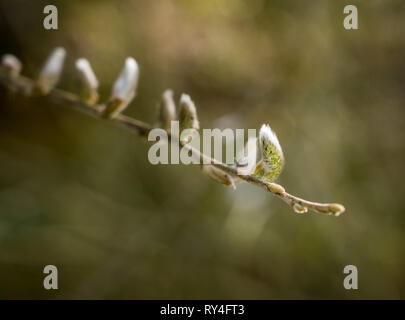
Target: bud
x,y
123,90
88,79
12,64
51,71
167,112
275,188
246,160
218,175
271,165
188,113
336,209
299,208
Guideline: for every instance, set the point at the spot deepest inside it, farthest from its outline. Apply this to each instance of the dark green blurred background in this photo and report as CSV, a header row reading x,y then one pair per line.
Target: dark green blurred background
x,y
80,193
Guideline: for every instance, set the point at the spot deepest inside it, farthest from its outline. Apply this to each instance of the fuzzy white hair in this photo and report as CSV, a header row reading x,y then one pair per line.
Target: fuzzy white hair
x,y
87,73
268,135
125,86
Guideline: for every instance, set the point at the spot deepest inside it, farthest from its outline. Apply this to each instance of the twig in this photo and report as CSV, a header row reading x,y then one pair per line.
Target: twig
x,y
25,85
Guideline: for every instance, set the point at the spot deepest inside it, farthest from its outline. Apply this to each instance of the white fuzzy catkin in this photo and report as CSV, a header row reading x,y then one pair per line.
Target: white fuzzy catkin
x,y
52,70
267,136
188,113
124,89
167,112
88,79
86,73
125,85
272,156
12,64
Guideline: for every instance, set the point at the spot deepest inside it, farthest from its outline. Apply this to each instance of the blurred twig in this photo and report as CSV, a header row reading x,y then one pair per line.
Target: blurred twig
x,y
25,86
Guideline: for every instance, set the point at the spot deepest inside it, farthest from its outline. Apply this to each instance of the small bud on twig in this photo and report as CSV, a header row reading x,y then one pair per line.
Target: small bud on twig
x,y
246,160
167,112
123,90
299,208
275,188
271,165
12,64
336,209
219,175
88,79
188,114
51,71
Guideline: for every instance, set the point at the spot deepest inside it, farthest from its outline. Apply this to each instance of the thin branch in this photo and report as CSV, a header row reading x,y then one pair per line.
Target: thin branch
x,y
25,86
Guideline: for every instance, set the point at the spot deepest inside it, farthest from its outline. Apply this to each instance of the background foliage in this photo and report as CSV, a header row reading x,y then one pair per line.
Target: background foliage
x,y
80,193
